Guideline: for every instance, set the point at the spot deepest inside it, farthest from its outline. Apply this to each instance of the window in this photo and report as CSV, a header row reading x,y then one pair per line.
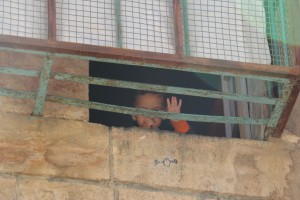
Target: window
x,y
245,44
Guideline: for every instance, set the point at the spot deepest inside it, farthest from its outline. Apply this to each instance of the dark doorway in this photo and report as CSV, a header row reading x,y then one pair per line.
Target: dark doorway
x,y
124,97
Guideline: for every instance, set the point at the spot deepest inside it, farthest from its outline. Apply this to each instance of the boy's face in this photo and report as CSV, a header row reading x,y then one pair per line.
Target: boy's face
x,y
150,102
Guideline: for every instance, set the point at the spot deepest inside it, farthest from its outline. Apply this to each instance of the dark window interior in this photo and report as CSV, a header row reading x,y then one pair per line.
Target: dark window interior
x,y
124,97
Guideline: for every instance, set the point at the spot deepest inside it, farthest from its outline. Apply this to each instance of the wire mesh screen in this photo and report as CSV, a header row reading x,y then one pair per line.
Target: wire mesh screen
x,y
255,31
88,22
238,30
148,25
277,32
24,18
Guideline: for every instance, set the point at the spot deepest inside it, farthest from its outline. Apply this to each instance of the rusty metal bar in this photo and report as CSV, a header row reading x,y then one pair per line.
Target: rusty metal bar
x,y
151,59
43,86
163,89
52,20
278,110
178,27
287,110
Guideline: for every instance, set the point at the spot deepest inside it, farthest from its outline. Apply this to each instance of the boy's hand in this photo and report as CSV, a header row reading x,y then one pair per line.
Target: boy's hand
x,y
173,105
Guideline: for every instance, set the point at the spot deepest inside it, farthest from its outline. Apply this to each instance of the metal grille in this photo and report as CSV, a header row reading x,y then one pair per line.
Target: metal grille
x,y
148,25
254,31
277,32
24,18
86,22
246,31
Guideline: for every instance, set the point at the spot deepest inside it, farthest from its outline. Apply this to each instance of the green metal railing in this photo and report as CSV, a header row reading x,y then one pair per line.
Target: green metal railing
x,y
45,75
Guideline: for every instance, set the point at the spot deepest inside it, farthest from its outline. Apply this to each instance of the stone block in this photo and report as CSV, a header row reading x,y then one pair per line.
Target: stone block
x,y
8,188
130,194
231,166
53,147
47,190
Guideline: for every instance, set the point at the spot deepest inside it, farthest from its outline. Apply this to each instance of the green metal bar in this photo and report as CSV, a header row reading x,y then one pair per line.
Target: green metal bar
x,y
185,27
19,71
287,89
17,94
151,113
274,36
271,26
163,89
43,86
284,33
186,69
119,42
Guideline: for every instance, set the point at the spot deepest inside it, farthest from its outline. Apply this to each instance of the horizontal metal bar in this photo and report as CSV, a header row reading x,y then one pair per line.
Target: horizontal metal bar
x,y
211,71
151,113
152,59
19,71
163,89
17,94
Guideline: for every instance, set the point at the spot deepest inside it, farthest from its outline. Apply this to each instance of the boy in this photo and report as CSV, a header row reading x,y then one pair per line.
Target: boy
x,y
155,101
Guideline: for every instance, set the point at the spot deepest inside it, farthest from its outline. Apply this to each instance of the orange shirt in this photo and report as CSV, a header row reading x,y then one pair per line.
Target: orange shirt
x,y
180,126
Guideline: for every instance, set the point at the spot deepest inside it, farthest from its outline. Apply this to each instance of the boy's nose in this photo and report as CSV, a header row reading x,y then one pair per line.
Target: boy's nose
x,y
150,122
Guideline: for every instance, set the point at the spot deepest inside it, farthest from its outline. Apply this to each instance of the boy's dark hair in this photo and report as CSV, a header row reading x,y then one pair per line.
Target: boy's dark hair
x,y
144,92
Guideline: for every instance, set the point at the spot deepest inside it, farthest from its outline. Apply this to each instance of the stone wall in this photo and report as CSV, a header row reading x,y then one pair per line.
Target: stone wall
x,y
48,158
61,156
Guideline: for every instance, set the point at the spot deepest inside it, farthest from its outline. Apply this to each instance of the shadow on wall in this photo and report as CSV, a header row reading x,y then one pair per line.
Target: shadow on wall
x,y
124,97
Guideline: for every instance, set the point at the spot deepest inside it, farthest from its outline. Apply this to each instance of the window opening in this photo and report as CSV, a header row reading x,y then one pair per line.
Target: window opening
x,y
124,97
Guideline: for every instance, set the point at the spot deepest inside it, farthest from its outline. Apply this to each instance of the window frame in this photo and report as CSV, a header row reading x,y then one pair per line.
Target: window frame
x,y
178,61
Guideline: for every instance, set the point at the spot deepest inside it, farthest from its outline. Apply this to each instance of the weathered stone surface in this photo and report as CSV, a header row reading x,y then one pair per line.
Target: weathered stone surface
x,y
8,189
46,190
293,124
235,166
130,194
60,88
47,146
293,177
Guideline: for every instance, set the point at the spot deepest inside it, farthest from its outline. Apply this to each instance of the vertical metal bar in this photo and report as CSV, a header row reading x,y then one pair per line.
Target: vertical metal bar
x,y
119,42
185,28
52,20
274,36
243,108
293,14
287,111
282,9
43,86
178,27
281,105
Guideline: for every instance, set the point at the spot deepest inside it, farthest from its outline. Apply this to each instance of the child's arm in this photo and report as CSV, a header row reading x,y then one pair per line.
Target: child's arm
x,y
180,126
